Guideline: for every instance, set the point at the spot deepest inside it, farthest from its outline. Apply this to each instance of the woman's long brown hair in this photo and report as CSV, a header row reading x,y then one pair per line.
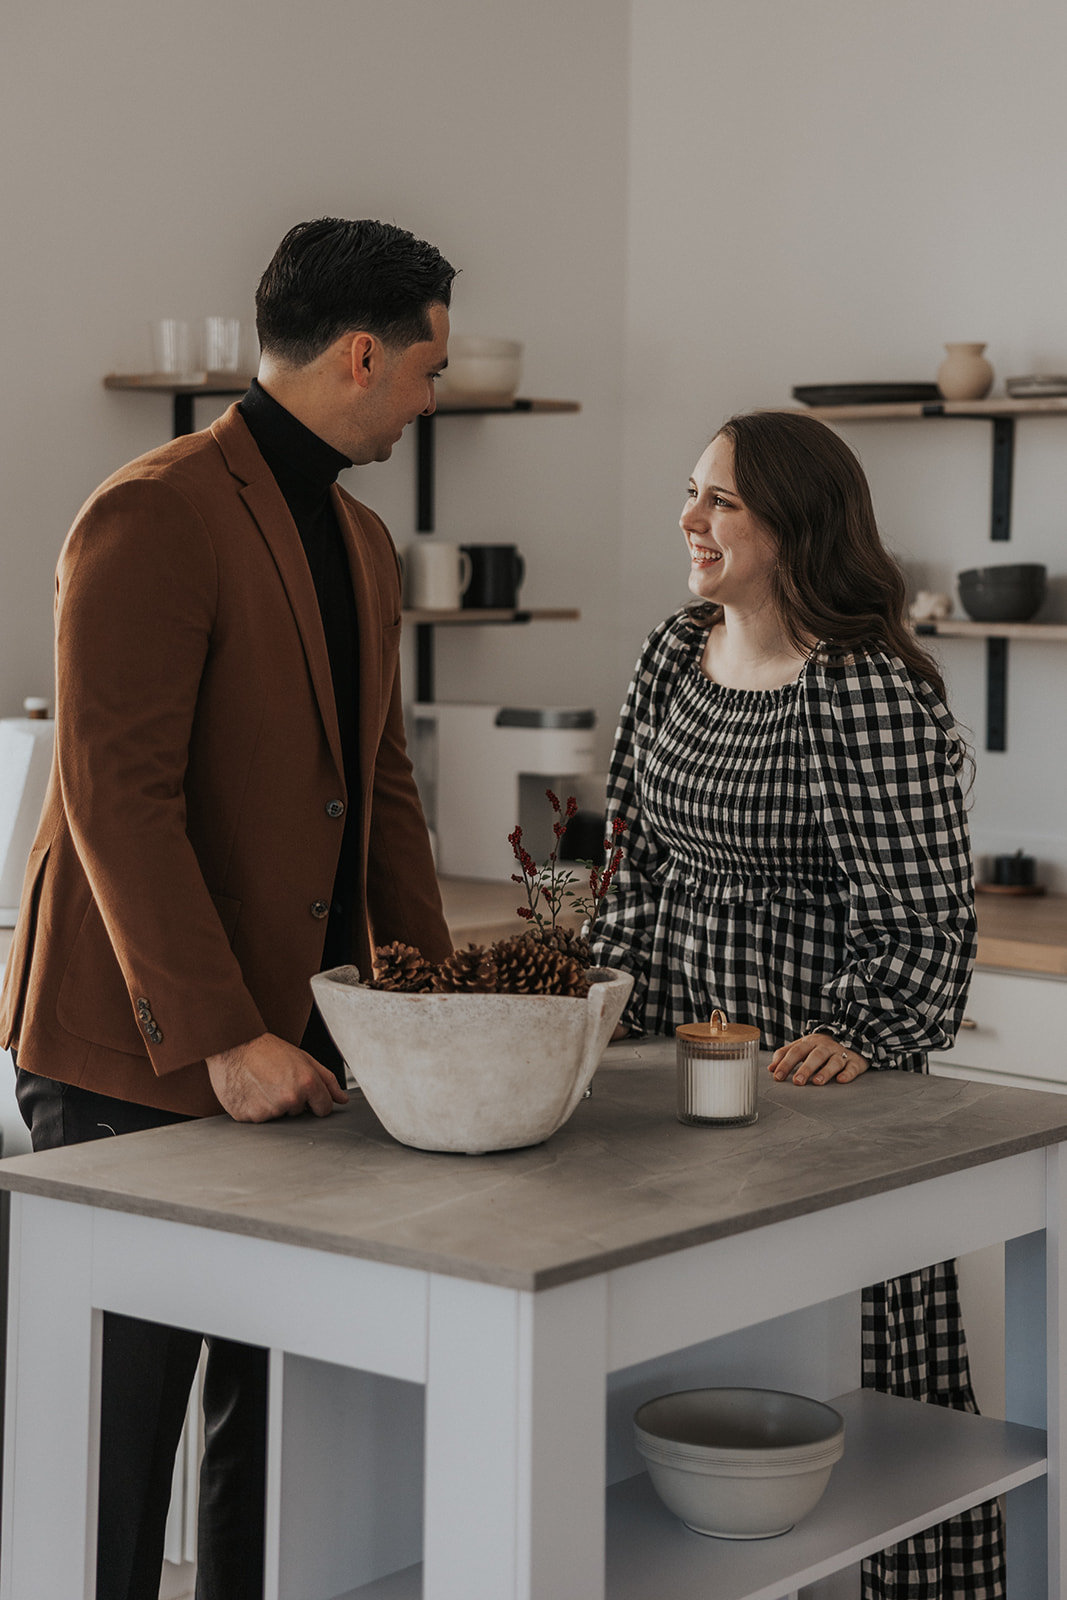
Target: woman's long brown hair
x,y
834,580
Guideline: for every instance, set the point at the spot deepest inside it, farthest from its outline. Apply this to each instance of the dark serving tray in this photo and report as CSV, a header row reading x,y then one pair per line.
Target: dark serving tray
x,y
863,394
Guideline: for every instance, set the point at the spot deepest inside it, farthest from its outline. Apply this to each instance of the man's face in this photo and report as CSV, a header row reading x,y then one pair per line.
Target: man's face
x,y
403,390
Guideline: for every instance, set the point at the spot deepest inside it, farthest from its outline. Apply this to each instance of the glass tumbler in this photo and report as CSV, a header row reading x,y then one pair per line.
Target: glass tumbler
x,y
718,1072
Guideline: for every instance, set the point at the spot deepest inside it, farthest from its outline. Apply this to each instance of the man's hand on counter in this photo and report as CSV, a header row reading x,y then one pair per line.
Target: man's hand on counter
x,y
267,1077
816,1058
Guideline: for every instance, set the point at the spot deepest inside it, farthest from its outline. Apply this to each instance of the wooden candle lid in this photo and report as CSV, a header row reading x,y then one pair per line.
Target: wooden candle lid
x,y
717,1031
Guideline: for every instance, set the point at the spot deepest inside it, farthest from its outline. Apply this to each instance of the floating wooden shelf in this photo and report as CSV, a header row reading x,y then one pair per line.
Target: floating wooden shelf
x,y
171,383
916,410
187,388
1047,631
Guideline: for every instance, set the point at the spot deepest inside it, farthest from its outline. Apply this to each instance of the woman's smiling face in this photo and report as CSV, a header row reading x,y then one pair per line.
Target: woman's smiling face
x,y
732,555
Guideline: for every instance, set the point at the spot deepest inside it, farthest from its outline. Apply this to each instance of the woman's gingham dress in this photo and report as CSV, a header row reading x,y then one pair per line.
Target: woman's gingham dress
x,y
799,858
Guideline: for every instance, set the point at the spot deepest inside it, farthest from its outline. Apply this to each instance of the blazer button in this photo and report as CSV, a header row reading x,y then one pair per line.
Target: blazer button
x,y
335,808
320,908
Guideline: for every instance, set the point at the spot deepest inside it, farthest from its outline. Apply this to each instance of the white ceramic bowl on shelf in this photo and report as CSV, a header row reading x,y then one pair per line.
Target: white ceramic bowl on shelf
x,y
481,371
739,1463
470,1073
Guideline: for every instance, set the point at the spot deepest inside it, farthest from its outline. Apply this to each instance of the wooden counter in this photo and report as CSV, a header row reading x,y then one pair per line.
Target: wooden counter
x,y
1027,933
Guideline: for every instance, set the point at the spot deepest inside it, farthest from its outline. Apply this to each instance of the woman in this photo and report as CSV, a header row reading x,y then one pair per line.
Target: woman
x,y
797,849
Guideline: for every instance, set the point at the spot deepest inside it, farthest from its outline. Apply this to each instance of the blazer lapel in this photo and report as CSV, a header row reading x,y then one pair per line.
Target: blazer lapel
x,y
369,613
267,505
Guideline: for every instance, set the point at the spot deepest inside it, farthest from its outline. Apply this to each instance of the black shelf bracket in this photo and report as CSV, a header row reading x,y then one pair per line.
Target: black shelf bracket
x,y
996,688
424,685
424,484
996,694
1003,465
183,414
1003,461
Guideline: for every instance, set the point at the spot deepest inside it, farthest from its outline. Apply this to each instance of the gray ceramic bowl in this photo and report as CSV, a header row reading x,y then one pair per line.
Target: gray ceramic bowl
x,y
739,1463
1010,593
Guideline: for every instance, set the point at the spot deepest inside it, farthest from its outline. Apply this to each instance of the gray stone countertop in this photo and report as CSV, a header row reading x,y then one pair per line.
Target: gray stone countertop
x,y
623,1181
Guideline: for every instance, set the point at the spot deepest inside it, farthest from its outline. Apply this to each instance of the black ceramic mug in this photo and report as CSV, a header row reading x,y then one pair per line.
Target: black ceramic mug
x,y
497,571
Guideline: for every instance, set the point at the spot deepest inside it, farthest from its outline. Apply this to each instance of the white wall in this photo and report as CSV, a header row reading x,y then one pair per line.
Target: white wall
x,y
822,191
156,154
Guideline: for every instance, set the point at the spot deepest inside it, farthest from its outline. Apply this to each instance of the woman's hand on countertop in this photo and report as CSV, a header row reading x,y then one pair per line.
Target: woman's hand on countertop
x,y
816,1058
268,1077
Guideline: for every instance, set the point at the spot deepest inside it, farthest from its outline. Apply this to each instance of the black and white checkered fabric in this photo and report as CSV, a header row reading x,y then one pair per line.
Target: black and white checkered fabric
x,y
795,856
913,1345
799,858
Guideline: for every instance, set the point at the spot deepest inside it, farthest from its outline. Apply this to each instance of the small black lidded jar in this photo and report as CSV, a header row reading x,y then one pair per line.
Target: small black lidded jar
x,y
1015,871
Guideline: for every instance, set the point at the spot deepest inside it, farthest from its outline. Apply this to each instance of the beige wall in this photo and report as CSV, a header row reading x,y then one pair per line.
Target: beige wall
x,y
683,207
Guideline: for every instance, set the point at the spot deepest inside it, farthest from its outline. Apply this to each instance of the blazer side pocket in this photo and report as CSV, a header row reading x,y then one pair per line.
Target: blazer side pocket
x,y
94,1002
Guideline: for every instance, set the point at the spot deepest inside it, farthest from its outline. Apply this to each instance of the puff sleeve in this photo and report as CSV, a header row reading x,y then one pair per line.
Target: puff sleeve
x,y
885,783
626,926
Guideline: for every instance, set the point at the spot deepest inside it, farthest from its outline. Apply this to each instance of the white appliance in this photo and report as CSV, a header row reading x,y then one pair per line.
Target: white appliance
x,y
26,745
483,768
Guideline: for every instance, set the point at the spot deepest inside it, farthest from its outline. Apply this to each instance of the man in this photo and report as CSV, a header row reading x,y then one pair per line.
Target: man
x,y
231,810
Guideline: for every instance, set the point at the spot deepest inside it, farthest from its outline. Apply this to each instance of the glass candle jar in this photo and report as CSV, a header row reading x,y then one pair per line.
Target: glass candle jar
x,y
718,1072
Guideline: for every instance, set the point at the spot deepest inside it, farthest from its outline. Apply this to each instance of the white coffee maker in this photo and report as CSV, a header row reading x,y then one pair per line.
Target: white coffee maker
x,y
25,762
483,768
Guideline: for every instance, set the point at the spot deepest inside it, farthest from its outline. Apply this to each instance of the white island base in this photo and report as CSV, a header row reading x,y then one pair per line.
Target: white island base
x,y
443,1330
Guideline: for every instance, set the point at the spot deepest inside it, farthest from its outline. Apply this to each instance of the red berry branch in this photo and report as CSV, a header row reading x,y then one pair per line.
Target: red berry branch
x,y
548,887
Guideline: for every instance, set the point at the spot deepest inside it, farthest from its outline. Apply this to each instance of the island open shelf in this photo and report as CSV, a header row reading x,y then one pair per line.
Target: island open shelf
x,y
905,1466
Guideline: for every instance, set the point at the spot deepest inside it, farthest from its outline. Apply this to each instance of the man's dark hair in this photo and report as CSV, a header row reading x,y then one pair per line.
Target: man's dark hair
x,y
331,277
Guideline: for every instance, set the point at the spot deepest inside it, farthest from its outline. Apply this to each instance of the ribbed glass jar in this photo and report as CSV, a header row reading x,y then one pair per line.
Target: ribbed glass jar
x,y
718,1072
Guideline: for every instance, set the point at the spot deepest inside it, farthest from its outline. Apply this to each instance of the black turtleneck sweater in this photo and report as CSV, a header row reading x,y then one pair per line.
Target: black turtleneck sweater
x,y
305,468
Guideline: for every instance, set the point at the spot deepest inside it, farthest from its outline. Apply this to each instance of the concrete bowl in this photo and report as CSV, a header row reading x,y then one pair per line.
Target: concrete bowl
x,y
470,1073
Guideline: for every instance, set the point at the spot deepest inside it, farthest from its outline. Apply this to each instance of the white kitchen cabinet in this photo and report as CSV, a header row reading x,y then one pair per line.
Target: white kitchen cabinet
x,y
1013,1017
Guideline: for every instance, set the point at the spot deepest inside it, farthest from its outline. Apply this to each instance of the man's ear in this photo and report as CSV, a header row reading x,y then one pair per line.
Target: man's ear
x,y
363,358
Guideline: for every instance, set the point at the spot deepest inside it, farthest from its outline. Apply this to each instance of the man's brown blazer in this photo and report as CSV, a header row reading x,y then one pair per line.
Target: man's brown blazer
x,y
175,897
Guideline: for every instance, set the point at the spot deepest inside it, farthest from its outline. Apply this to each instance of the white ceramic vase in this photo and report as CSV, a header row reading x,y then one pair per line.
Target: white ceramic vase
x,y
965,374
470,1073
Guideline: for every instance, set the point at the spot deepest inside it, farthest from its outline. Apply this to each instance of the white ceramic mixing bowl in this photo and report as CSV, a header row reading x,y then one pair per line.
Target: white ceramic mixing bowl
x,y
739,1463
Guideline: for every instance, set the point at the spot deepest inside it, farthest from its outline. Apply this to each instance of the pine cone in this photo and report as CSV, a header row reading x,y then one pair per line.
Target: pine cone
x,y
526,965
470,971
402,968
570,943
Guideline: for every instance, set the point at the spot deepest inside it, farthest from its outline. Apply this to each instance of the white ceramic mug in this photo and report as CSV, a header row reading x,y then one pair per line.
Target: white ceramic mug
x,y
435,576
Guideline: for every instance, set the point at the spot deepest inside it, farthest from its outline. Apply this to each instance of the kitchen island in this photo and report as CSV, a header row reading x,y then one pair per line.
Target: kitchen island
x,y
443,1328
